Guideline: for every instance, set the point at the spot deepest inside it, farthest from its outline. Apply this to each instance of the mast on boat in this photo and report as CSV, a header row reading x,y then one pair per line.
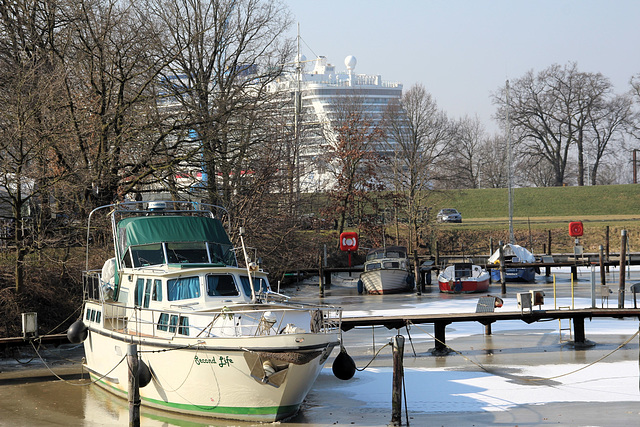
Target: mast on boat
x,y
509,165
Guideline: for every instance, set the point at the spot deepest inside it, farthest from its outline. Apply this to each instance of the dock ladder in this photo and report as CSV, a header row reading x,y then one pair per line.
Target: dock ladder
x,y
564,324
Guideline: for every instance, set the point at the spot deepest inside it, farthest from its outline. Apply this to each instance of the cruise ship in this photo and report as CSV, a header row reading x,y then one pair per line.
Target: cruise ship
x,y
321,88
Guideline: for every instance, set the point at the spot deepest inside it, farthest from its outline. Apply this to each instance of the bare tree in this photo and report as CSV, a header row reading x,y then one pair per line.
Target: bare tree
x,y
30,121
551,112
121,136
225,53
421,134
493,163
607,124
351,158
466,153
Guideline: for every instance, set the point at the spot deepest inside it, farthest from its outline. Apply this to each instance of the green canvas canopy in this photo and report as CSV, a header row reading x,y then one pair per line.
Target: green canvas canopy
x,y
157,229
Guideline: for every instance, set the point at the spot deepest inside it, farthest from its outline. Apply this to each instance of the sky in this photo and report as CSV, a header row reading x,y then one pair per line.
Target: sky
x,y
464,50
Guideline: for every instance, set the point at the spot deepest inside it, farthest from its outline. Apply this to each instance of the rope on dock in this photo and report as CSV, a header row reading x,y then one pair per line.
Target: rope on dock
x,y
487,370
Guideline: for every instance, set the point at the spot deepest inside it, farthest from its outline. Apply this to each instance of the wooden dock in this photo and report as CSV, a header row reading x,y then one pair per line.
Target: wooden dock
x,y
440,321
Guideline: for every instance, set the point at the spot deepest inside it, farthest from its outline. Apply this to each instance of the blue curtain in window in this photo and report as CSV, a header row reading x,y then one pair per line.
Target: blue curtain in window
x,y
183,288
139,292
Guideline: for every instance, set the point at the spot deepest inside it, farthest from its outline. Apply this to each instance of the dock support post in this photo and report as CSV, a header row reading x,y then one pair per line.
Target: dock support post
x,y
134,386
441,348
398,379
487,328
578,330
623,255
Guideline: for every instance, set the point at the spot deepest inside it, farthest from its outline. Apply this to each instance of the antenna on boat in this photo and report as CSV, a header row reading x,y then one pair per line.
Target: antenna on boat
x,y
247,263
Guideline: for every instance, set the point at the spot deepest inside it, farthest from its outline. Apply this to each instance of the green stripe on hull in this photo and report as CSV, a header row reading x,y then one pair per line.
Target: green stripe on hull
x,y
274,412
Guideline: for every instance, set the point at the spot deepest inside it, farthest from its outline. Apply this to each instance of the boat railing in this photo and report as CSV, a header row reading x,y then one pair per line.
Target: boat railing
x,y
228,321
92,286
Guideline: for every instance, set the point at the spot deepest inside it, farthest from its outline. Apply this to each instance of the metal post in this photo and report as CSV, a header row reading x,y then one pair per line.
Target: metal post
x,y
623,255
398,379
134,386
503,273
547,270
593,286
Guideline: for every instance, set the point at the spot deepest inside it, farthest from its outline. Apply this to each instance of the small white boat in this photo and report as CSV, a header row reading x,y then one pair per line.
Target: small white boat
x,y
515,254
387,270
463,277
211,337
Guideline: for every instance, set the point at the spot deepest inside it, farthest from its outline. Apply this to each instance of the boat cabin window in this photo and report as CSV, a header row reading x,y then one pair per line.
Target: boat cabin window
x,y
391,264
147,293
145,255
183,288
183,329
163,322
138,292
157,290
259,284
189,252
374,266
221,285
142,292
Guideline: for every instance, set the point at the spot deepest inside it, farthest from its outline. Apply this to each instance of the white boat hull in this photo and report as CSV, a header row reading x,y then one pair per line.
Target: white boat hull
x,y
386,281
212,377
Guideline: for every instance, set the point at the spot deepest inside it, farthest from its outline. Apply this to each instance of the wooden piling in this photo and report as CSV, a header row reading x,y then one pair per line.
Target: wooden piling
x,y
547,270
623,255
134,386
603,280
321,279
416,273
398,379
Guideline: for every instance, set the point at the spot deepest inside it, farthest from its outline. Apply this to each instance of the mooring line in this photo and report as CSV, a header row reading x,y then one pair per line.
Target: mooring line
x,y
69,382
372,359
487,370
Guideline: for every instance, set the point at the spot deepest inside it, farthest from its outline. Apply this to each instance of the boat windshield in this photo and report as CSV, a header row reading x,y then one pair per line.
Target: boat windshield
x,y
180,253
374,266
191,252
145,255
395,254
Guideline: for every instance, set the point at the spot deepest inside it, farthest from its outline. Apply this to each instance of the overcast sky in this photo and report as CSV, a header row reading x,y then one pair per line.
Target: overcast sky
x,y
463,50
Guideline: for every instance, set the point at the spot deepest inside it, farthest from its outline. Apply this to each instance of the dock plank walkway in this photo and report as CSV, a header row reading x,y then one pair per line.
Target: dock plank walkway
x,y
440,321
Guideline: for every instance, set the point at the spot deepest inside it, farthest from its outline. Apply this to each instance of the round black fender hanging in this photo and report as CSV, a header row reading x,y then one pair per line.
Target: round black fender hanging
x,y
77,332
144,374
343,366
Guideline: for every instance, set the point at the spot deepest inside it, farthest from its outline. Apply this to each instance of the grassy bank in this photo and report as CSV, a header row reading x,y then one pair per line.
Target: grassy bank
x,y
540,211
620,201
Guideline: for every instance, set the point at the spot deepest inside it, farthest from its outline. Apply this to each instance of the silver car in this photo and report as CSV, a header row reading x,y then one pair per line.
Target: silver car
x,y
449,215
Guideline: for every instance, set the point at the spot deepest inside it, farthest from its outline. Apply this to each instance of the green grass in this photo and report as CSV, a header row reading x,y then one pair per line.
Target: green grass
x,y
560,203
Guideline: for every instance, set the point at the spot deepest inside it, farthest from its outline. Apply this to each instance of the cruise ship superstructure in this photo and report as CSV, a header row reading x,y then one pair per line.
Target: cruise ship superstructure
x,y
321,88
